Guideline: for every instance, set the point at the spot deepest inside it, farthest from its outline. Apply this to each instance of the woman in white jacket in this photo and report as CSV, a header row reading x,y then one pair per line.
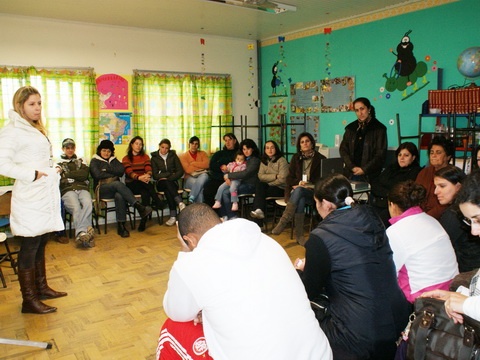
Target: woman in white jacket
x,y
26,156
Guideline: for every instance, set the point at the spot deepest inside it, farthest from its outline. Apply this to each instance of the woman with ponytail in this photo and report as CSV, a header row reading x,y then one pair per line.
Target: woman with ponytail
x,y
349,261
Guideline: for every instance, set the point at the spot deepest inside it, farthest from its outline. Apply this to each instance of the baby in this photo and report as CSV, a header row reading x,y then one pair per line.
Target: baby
x,y
235,166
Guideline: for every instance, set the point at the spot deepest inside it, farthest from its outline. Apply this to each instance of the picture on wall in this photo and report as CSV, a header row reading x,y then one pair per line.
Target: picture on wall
x,y
116,127
113,92
277,108
337,94
304,97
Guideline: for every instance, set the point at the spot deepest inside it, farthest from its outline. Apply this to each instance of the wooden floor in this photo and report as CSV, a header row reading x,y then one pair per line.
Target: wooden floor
x,y
114,305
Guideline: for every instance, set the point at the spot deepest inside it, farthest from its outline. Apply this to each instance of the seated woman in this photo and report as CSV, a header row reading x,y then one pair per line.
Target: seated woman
x,y
448,182
440,151
138,173
195,164
456,304
167,170
220,159
349,260
106,172
405,167
272,176
303,173
423,254
248,177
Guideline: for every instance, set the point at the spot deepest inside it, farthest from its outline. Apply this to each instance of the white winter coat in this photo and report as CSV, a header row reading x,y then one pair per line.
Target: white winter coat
x,y
35,208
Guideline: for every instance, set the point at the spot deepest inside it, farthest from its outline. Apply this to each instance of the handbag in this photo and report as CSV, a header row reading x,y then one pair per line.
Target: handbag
x,y
433,335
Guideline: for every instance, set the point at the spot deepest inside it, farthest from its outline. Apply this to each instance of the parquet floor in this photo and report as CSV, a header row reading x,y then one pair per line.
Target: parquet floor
x,y
114,305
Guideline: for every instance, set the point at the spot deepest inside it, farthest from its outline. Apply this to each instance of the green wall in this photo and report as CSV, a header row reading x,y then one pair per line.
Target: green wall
x,y
363,51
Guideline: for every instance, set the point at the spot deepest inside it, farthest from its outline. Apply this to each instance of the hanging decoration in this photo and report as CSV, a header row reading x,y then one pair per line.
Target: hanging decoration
x,y
328,59
277,70
251,76
202,62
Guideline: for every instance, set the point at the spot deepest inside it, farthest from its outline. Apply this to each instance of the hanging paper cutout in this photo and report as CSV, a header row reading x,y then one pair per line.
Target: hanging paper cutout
x,y
113,91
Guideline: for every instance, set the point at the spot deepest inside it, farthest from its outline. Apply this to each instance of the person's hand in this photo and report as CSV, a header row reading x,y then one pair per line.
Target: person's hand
x,y
228,182
198,319
40,174
144,178
453,303
299,264
358,171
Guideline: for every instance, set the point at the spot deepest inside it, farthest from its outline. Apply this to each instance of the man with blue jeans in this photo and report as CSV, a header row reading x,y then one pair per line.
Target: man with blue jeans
x,y
74,187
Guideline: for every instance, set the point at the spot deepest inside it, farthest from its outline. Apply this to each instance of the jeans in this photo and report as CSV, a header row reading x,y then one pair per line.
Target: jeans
x,y
301,196
233,188
122,195
79,204
262,191
226,209
32,250
196,186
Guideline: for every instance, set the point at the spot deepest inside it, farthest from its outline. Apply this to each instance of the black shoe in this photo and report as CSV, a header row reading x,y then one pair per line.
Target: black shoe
x,y
142,225
144,211
122,231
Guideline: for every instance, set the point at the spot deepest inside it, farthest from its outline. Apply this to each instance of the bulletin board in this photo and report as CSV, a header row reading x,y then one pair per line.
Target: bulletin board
x,y
337,94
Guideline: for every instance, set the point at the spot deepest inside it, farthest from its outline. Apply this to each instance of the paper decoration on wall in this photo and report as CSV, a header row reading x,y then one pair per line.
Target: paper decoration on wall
x,y
337,94
406,71
251,75
202,62
311,126
277,72
328,61
113,92
277,110
116,127
305,97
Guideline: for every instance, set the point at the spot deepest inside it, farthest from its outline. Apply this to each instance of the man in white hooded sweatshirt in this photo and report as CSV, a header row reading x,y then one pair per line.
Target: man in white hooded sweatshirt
x,y
240,284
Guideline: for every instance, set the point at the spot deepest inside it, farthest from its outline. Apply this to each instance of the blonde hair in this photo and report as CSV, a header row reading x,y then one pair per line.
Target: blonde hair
x,y
20,98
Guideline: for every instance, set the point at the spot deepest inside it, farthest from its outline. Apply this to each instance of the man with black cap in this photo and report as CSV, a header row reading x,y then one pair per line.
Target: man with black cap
x,y
74,187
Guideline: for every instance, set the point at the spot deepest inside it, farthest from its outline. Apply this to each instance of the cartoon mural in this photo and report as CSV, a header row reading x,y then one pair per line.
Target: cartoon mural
x,y
406,71
276,80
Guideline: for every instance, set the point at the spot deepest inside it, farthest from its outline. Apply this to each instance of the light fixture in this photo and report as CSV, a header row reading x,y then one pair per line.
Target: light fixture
x,y
272,7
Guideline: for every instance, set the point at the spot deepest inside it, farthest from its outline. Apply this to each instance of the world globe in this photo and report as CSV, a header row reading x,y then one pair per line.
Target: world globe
x,y
468,63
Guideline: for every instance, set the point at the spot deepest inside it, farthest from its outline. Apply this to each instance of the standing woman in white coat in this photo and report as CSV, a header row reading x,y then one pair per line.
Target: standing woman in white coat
x,y
26,156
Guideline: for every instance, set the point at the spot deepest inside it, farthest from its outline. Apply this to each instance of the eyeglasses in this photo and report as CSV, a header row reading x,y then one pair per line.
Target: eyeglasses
x,y
471,222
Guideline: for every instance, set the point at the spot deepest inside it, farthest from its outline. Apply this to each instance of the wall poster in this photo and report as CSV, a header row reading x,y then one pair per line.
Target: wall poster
x,y
337,94
304,97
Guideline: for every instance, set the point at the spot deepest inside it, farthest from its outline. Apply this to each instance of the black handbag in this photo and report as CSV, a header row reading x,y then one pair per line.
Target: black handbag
x,y
433,335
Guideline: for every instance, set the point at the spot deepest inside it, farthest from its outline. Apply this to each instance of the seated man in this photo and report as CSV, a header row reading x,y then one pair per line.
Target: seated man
x,y
76,197
241,285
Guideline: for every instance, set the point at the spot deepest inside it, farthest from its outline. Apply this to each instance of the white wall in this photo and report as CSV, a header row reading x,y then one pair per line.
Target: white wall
x,y
47,43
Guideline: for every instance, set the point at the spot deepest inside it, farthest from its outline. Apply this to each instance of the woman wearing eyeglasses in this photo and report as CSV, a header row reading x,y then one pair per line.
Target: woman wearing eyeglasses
x,y
422,252
456,304
448,182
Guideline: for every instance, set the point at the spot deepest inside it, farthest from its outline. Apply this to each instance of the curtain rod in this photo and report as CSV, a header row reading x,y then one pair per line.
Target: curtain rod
x,y
50,67
179,72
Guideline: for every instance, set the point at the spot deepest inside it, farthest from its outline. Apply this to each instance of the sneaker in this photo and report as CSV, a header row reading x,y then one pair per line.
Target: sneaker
x,y
181,206
217,205
235,206
257,214
171,221
225,218
82,240
191,199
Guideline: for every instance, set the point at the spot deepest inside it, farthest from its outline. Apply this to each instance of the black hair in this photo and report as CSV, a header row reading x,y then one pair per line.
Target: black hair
x,y
407,194
368,104
250,144
470,190
165,141
233,137
278,153
334,188
445,143
193,139
475,151
451,173
411,148
130,149
197,218
302,135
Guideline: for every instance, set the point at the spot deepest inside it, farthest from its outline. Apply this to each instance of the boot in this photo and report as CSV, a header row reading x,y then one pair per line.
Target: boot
x,y
144,211
142,225
299,228
31,303
43,290
121,230
285,219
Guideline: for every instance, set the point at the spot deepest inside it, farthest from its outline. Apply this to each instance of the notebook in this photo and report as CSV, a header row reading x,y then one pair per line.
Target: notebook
x,y
331,166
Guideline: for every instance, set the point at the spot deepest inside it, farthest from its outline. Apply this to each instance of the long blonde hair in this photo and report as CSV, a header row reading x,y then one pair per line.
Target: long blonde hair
x,y
19,99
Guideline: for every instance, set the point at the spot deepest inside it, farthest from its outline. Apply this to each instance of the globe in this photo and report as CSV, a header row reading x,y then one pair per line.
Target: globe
x,y
468,63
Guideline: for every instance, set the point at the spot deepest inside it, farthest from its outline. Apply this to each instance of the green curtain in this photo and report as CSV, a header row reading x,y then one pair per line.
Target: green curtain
x,y
178,106
69,104
69,99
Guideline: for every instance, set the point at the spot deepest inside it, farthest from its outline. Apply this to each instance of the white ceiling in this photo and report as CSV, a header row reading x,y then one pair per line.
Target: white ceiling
x,y
201,16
